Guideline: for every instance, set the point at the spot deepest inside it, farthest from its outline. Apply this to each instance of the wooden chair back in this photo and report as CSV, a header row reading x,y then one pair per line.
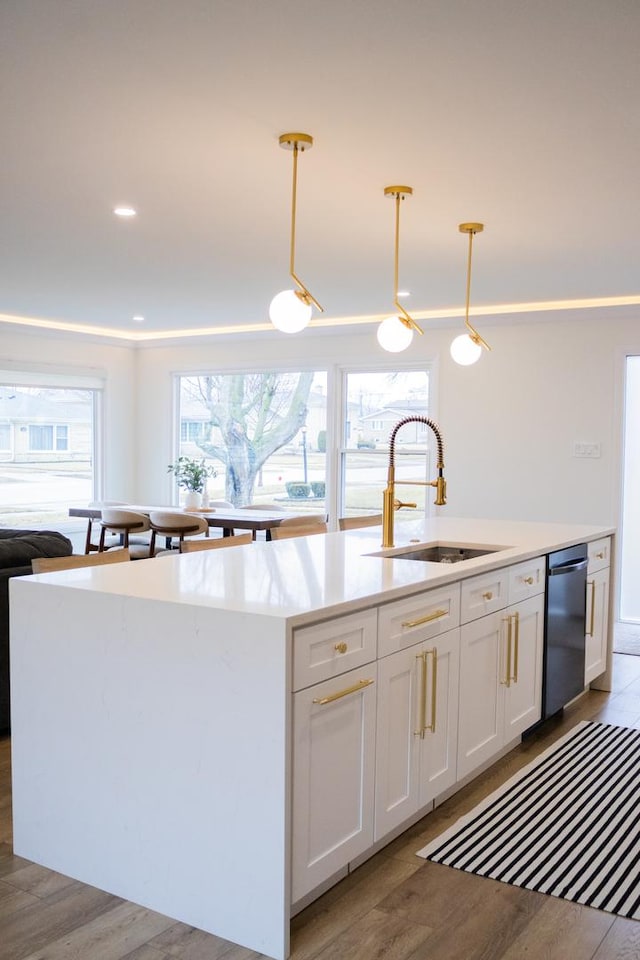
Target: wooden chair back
x,y
354,523
50,564
289,528
215,543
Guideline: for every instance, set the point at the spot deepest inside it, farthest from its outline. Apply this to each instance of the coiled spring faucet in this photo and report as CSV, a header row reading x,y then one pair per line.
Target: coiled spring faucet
x,y
389,502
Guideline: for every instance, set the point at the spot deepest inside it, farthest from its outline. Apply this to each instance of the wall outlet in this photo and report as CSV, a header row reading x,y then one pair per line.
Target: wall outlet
x,y
589,450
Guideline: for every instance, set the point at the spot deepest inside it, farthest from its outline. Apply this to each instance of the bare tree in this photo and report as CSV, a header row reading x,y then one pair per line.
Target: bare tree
x,y
251,416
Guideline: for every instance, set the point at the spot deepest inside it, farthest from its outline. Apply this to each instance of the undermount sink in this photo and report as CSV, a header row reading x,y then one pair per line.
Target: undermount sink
x,y
438,552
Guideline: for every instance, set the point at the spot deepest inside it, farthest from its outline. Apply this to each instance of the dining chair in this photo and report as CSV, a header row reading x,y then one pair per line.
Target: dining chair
x,y
50,564
174,525
354,523
125,522
89,545
299,527
192,546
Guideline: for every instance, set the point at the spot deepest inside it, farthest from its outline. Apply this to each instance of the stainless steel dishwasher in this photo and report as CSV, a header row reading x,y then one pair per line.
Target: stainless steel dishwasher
x,y
564,652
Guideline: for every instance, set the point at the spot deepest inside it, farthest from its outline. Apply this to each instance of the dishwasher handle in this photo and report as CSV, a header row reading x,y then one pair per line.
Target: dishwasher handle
x,y
571,567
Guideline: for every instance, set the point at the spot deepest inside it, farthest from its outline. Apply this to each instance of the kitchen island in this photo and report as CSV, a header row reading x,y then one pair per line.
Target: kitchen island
x,y
168,736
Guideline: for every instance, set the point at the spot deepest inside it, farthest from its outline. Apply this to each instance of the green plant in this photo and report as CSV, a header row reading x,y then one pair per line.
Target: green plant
x,y
322,441
318,488
191,474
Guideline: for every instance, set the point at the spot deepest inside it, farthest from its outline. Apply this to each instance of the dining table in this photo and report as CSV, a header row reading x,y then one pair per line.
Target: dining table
x,y
228,519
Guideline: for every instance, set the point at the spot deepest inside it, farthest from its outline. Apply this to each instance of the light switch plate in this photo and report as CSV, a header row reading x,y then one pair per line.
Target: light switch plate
x,y
583,449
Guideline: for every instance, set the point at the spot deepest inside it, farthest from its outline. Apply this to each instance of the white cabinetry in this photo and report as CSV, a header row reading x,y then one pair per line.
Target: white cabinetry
x,y
334,726
500,666
416,729
597,619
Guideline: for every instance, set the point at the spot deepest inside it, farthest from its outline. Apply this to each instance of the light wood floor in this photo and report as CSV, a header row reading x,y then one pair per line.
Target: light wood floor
x,y
396,906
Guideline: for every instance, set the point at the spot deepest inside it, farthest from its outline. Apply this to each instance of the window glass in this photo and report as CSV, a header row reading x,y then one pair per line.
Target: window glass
x,y
40,437
46,453
264,433
374,403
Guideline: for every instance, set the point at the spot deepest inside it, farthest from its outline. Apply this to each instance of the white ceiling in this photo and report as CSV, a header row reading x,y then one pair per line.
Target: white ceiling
x,y
520,114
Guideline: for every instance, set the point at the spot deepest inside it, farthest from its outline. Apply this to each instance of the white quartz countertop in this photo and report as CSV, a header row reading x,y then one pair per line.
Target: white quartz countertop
x,y
332,573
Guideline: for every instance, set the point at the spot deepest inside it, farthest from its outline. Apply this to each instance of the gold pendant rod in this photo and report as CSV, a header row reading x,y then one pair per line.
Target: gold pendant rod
x,y
294,197
398,193
292,141
472,229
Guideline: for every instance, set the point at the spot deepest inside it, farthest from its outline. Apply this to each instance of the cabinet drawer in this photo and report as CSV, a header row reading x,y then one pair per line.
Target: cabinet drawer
x,y
527,579
484,594
599,553
426,615
325,650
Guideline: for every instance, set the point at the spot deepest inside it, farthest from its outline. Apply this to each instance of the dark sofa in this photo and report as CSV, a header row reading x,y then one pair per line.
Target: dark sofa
x,y
17,550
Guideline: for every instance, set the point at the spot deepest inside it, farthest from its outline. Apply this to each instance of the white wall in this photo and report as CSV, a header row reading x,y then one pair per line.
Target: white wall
x,y
509,422
84,357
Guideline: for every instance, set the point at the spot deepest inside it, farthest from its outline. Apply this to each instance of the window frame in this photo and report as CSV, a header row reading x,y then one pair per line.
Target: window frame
x,y
336,381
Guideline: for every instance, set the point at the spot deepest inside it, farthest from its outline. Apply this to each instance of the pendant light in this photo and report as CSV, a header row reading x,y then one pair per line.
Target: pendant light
x,y
467,348
290,310
396,333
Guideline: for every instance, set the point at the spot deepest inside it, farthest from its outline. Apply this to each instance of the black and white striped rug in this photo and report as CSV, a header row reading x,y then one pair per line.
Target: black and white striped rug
x,y
568,824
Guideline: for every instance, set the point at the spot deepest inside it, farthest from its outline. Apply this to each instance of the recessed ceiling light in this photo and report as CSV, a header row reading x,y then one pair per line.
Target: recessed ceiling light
x,y
404,293
138,319
124,211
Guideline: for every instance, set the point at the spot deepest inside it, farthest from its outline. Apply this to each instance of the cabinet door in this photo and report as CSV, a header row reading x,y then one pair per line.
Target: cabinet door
x,y
397,738
597,624
417,729
439,748
333,775
482,667
523,691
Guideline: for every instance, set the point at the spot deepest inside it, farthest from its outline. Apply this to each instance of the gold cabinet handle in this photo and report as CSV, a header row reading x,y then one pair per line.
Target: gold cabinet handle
x,y
592,616
488,595
340,647
422,696
434,689
423,726
360,685
528,580
435,615
600,556
507,681
516,646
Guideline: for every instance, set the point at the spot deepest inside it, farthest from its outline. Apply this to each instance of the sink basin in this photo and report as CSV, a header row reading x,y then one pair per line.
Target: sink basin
x,y
439,552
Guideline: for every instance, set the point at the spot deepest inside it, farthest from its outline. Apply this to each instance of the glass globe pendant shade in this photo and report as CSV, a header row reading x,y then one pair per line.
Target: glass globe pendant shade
x,y
464,351
288,312
394,335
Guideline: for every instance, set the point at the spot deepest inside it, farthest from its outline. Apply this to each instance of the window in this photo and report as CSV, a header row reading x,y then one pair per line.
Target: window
x,y
40,437
48,437
266,434
263,431
192,430
5,437
373,403
47,449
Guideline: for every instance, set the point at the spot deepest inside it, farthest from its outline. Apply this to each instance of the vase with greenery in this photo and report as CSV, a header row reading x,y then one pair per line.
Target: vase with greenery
x,y
192,476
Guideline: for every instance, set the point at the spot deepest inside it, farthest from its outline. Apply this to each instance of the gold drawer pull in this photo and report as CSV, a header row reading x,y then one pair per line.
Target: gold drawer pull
x,y
360,685
488,595
528,580
340,647
592,618
600,556
429,617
